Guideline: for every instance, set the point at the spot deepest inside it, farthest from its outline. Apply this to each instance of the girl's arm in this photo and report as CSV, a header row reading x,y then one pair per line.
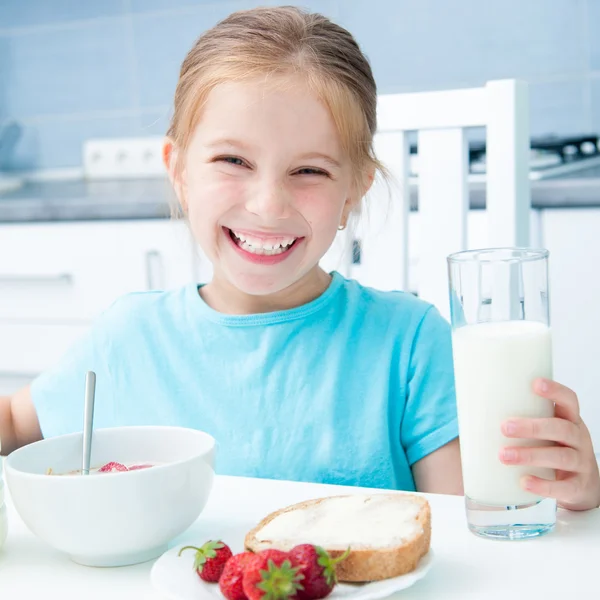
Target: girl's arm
x,y
19,424
440,472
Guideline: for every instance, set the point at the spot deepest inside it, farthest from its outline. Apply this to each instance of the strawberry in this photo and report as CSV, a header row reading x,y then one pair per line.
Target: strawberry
x,y
317,569
112,467
210,559
231,581
269,575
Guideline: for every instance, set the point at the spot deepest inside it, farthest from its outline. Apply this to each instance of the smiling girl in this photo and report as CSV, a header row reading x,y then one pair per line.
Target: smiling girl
x,y
298,373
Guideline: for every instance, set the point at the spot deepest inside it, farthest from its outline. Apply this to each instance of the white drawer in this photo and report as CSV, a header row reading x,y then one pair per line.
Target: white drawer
x,y
65,272
28,349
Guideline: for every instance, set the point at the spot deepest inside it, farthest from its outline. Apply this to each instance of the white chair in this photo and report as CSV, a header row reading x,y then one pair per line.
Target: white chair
x,y
440,120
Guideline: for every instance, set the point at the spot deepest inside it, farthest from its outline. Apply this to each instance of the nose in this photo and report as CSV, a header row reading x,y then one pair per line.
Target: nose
x,y
270,200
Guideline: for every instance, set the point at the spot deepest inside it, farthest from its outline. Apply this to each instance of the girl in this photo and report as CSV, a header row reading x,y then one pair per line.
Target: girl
x,y
298,373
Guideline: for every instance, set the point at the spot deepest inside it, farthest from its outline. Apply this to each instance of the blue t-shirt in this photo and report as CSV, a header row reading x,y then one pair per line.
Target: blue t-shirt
x,y
352,388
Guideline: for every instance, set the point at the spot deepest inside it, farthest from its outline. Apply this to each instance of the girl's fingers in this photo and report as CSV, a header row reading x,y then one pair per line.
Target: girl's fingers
x,y
551,457
551,429
565,491
567,403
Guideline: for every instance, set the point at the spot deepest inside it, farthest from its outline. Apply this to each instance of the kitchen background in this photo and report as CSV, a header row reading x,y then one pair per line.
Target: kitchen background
x,y
78,70
72,70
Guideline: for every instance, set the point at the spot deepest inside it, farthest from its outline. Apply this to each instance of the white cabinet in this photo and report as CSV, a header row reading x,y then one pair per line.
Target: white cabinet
x,y
56,277
72,271
28,348
573,238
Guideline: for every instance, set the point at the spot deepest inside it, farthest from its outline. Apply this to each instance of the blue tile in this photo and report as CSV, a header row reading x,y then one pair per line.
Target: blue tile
x,y
329,8
162,42
76,69
593,16
24,13
4,68
558,108
595,83
141,6
58,142
155,122
430,44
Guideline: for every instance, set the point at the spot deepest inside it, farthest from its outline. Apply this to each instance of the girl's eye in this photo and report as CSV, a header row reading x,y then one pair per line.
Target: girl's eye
x,y
311,171
232,160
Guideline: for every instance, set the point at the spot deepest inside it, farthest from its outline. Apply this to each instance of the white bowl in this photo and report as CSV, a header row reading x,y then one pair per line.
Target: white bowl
x,y
113,519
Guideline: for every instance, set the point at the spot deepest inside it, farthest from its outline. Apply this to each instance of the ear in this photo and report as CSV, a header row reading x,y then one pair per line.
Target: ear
x,y
368,180
170,156
354,199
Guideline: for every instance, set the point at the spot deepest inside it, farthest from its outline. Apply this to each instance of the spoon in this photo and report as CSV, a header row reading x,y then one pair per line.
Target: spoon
x,y
88,421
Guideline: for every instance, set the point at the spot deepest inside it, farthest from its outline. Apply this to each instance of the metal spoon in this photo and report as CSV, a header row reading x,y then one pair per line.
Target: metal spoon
x,y
88,421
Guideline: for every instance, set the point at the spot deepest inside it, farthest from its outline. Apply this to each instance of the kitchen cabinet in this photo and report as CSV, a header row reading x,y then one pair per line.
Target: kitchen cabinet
x,y
55,278
573,238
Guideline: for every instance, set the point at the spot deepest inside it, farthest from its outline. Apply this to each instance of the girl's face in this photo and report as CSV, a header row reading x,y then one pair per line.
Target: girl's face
x,y
265,184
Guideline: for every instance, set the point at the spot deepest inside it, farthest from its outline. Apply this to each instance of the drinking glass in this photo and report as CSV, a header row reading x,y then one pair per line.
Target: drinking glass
x,y
501,342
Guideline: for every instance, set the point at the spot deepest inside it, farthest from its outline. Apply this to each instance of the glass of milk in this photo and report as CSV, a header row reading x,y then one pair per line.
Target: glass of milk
x,y
501,342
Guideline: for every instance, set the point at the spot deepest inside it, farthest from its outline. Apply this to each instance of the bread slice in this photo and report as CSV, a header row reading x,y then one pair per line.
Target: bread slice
x,y
387,533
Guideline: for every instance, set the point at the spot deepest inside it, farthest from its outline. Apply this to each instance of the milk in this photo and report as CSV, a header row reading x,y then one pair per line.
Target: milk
x,y
495,365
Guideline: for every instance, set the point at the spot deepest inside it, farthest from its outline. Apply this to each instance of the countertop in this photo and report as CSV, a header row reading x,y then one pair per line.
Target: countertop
x,y
82,200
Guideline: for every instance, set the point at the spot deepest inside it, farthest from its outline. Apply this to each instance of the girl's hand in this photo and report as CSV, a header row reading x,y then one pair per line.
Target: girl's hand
x,y
577,484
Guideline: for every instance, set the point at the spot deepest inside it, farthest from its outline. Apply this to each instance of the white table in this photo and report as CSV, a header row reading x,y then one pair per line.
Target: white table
x,y
564,564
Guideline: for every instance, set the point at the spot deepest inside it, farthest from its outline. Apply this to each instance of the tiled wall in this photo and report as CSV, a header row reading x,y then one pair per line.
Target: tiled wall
x,y
74,69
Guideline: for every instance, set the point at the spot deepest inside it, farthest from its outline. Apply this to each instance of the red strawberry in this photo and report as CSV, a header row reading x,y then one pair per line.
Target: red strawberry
x,y
210,559
317,569
138,467
112,467
269,575
231,581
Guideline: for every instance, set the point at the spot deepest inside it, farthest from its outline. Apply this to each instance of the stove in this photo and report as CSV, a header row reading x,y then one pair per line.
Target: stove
x,y
550,156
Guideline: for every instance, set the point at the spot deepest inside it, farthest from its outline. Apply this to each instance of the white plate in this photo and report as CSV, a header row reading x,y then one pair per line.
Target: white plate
x,y
175,578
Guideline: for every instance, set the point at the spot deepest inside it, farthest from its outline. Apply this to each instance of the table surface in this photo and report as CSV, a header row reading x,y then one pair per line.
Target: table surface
x,y
563,564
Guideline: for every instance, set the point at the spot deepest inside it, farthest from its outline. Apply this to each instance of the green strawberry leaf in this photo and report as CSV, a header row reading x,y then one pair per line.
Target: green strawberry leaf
x,y
199,561
209,550
329,564
279,583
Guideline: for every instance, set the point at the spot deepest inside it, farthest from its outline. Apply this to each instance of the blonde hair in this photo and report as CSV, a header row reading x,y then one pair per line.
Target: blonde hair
x,y
282,41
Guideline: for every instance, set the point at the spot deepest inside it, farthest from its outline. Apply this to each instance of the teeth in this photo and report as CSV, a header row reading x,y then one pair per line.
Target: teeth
x,y
258,246
262,251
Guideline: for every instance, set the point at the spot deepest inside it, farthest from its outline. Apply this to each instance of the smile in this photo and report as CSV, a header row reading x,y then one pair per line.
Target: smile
x,y
265,250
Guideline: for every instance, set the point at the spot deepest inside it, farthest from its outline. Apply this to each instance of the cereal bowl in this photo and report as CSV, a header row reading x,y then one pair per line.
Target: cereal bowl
x,y
113,518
